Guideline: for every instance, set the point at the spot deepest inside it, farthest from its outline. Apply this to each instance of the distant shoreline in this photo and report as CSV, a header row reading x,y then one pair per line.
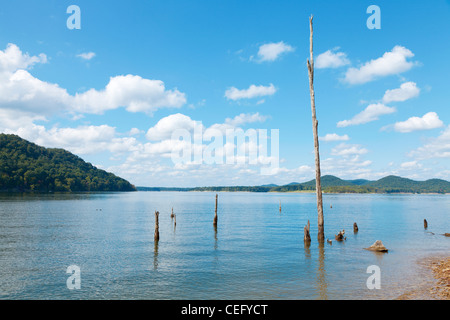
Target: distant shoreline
x,y
334,185
299,191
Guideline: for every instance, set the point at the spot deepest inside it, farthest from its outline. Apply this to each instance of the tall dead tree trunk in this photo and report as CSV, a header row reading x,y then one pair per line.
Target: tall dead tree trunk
x,y
156,226
215,215
310,63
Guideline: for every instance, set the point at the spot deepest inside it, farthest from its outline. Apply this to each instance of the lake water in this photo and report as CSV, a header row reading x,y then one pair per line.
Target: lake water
x,y
256,252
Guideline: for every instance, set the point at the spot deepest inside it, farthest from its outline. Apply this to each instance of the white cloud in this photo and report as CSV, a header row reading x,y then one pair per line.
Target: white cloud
x,y
348,166
406,91
166,126
244,118
252,92
80,140
392,62
330,59
371,113
345,149
334,137
272,51
19,90
86,55
13,59
133,92
427,122
435,148
410,165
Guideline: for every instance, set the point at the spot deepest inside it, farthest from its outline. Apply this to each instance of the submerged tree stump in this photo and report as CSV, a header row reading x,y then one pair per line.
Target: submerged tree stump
x,y
307,236
378,247
156,226
355,228
340,236
425,223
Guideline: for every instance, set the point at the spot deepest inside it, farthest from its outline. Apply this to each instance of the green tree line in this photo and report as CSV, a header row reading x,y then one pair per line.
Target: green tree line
x,y
25,166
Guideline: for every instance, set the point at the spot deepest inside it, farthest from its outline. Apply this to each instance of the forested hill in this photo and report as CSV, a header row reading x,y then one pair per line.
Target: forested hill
x,y
25,166
332,184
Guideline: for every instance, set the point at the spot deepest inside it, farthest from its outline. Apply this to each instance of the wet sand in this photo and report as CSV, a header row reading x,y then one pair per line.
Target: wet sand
x,y
435,280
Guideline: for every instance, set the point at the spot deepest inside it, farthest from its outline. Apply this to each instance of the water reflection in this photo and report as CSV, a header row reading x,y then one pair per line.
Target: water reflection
x,y
321,279
215,237
155,255
307,249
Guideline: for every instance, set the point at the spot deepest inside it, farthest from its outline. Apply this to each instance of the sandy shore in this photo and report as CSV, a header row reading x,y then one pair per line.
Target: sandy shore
x,y
436,284
441,272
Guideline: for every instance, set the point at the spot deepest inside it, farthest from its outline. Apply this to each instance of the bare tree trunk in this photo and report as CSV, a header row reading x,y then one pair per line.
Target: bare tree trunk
x,y
156,226
215,215
310,63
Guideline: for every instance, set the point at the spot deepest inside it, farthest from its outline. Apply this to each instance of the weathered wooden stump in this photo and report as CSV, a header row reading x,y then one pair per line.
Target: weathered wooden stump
x,y
355,228
340,236
425,223
378,247
307,236
172,215
156,226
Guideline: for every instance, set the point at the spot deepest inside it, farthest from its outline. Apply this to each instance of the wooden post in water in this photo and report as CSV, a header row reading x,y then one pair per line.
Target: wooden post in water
x,y
425,223
310,64
280,206
215,215
306,237
172,215
156,226
355,228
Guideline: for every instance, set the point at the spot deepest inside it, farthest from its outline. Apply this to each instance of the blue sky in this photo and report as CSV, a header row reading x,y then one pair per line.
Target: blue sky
x,y
113,91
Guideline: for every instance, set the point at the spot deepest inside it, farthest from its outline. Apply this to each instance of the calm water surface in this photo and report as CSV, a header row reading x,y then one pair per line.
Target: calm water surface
x,y
256,252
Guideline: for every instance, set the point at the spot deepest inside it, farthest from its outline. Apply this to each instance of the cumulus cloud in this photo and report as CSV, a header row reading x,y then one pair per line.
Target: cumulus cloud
x,y
410,165
427,122
334,137
12,59
166,126
392,62
330,59
80,140
345,149
272,51
133,92
371,113
252,92
438,147
244,118
86,55
406,91
22,92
